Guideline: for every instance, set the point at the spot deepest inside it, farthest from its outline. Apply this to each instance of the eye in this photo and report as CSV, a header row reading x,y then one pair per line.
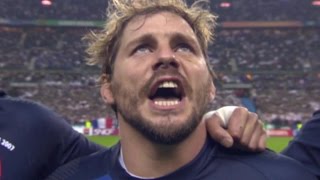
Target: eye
x,y
184,47
142,49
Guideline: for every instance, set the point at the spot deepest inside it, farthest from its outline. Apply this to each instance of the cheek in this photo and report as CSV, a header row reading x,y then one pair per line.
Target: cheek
x,y
130,75
200,79
197,70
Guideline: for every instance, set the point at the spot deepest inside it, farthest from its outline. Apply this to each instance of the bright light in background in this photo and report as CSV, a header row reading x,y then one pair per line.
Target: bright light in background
x,y
225,4
316,3
46,2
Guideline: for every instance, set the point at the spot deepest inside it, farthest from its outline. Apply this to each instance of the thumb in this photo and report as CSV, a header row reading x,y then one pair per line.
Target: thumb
x,y
214,125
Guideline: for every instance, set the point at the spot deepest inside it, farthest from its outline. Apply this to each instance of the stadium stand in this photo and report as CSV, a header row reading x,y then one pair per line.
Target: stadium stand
x,y
280,64
228,10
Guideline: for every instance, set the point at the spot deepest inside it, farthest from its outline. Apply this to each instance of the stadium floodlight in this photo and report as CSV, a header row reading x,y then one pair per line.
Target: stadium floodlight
x,y
225,4
46,2
316,3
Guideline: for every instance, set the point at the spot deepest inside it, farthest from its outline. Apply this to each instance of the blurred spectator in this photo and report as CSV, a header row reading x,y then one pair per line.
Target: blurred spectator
x,y
237,10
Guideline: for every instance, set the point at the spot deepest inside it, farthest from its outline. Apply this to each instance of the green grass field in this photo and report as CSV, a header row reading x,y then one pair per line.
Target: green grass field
x,y
275,143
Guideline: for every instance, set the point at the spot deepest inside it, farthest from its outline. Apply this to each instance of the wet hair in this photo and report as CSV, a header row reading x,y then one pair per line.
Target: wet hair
x,y
104,45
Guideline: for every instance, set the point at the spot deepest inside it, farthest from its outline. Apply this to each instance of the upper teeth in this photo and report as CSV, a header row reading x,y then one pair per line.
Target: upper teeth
x,y
168,84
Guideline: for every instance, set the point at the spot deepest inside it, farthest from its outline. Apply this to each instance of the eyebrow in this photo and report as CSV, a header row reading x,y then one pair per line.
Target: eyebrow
x,y
149,37
146,37
179,36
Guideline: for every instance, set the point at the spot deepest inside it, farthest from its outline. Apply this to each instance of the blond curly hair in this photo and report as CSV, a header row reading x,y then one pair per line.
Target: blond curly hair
x,y
103,46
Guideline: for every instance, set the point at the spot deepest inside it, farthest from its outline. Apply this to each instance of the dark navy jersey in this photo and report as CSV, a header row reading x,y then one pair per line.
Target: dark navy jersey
x,y
34,141
306,146
213,162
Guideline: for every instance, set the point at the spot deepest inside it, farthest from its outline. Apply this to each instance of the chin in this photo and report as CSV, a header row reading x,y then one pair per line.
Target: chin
x,y
166,129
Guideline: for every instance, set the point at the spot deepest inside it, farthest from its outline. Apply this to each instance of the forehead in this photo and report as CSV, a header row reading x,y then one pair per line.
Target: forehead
x,y
161,23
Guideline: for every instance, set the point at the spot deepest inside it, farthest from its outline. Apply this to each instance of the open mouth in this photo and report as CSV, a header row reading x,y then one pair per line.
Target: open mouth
x,y
167,93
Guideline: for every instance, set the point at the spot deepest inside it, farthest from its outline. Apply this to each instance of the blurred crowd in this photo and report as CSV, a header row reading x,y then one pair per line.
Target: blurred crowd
x,y
267,49
281,65
41,48
294,49
228,10
267,10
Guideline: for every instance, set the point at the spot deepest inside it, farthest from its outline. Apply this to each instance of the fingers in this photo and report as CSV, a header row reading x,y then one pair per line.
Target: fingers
x,y
217,132
247,130
263,141
237,122
257,139
243,130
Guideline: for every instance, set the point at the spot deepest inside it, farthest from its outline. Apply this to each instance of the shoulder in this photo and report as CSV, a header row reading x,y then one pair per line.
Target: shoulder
x,y
25,115
269,164
92,166
309,133
317,113
20,115
40,140
305,147
14,105
31,133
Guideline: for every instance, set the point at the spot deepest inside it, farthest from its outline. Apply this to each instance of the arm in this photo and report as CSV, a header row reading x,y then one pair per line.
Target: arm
x,y
305,147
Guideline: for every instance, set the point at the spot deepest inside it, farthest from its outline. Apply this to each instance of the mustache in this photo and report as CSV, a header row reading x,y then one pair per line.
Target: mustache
x,y
165,72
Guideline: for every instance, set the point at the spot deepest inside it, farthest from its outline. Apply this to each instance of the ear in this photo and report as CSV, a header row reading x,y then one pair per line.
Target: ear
x,y
105,90
212,91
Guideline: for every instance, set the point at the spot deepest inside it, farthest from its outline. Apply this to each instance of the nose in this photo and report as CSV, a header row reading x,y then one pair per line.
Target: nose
x,y
165,63
166,60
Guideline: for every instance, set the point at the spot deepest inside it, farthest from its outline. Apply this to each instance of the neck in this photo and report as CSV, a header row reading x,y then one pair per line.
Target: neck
x,y
147,159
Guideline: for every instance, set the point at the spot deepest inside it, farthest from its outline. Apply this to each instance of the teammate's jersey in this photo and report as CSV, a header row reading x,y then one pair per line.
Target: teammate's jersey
x,y
34,141
213,162
306,146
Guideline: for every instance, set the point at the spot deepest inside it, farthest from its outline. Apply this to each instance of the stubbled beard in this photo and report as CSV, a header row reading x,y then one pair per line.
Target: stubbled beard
x,y
127,103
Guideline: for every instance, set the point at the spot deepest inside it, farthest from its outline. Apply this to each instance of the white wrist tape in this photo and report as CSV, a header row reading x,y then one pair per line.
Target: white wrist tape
x,y
224,114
